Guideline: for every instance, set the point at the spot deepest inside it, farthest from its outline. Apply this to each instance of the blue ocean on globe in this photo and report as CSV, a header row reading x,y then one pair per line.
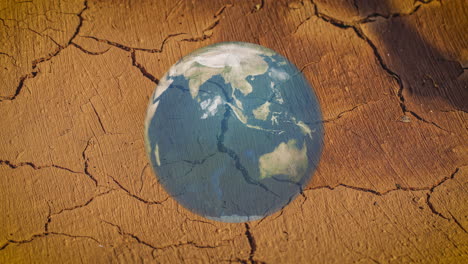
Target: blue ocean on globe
x,y
234,132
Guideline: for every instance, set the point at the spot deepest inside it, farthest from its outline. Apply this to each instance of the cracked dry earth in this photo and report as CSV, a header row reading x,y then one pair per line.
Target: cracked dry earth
x,y
391,78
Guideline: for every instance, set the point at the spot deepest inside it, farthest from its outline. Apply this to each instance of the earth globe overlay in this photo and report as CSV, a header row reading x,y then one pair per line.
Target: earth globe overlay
x,y
234,132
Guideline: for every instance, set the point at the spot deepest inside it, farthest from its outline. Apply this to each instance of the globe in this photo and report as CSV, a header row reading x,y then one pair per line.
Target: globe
x,y
233,132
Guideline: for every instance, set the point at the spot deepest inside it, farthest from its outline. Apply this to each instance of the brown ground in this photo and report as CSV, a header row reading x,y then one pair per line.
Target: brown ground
x,y
392,185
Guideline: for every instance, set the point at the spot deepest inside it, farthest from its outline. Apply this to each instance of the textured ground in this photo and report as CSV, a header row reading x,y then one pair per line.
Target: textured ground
x,y
76,186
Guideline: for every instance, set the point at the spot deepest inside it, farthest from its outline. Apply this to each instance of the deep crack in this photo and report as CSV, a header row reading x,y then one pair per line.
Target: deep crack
x,y
86,163
252,243
11,241
34,166
143,69
19,87
49,219
80,23
431,207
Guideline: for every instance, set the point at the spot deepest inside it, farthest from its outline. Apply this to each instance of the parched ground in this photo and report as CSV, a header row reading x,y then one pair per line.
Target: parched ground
x,y
76,186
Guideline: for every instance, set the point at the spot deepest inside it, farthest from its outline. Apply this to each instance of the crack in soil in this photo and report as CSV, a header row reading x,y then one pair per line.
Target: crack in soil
x,y
98,118
86,163
87,51
252,244
156,248
45,234
359,32
434,210
49,220
51,55
396,77
142,69
78,206
34,166
400,188
341,114
372,17
208,31
135,196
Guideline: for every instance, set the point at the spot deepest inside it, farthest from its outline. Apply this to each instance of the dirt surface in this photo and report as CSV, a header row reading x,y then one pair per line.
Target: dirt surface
x,y
76,186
